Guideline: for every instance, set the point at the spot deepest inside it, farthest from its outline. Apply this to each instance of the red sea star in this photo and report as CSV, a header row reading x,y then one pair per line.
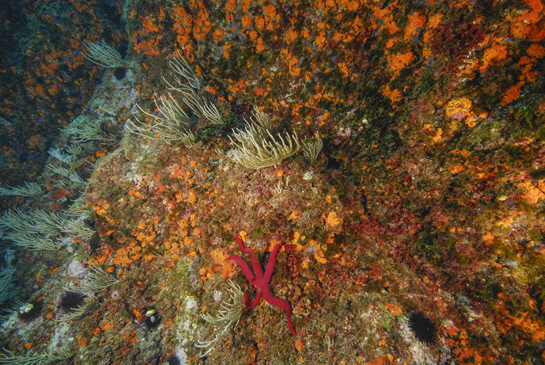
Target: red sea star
x,y
261,281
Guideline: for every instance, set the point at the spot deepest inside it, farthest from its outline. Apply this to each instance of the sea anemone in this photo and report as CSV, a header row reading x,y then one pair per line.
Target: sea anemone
x,y
424,329
71,300
30,311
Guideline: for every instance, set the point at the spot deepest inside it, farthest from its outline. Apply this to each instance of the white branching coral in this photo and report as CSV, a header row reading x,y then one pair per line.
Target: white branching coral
x,y
260,119
61,156
88,132
69,173
97,280
33,223
73,180
74,150
258,148
76,228
7,290
41,230
200,107
227,317
78,209
34,242
30,189
9,357
180,66
90,303
188,139
195,102
103,55
312,148
278,188
167,125
4,122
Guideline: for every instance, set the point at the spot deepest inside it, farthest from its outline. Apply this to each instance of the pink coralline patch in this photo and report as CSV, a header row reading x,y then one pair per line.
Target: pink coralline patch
x,y
461,108
77,270
344,132
459,116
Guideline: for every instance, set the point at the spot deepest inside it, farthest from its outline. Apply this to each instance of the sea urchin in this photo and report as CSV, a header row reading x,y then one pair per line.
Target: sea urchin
x,y
120,73
173,360
424,329
71,300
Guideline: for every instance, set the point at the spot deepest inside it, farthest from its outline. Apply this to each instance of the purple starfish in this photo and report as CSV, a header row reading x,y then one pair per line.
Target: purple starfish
x,y
262,281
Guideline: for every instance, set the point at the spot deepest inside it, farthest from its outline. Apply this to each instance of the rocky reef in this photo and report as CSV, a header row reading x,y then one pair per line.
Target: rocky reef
x,y
383,160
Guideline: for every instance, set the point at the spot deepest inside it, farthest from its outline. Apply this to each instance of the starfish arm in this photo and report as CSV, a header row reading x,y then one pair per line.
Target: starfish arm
x,y
246,298
245,268
282,304
270,265
242,248
255,263
257,267
257,299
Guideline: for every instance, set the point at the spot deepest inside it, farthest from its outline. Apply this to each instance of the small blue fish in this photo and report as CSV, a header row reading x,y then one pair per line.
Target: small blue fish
x,y
80,96
40,120
72,91
15,62
71,15
100,81
96,39
431,59
77,53
96,82
57,17
137,40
